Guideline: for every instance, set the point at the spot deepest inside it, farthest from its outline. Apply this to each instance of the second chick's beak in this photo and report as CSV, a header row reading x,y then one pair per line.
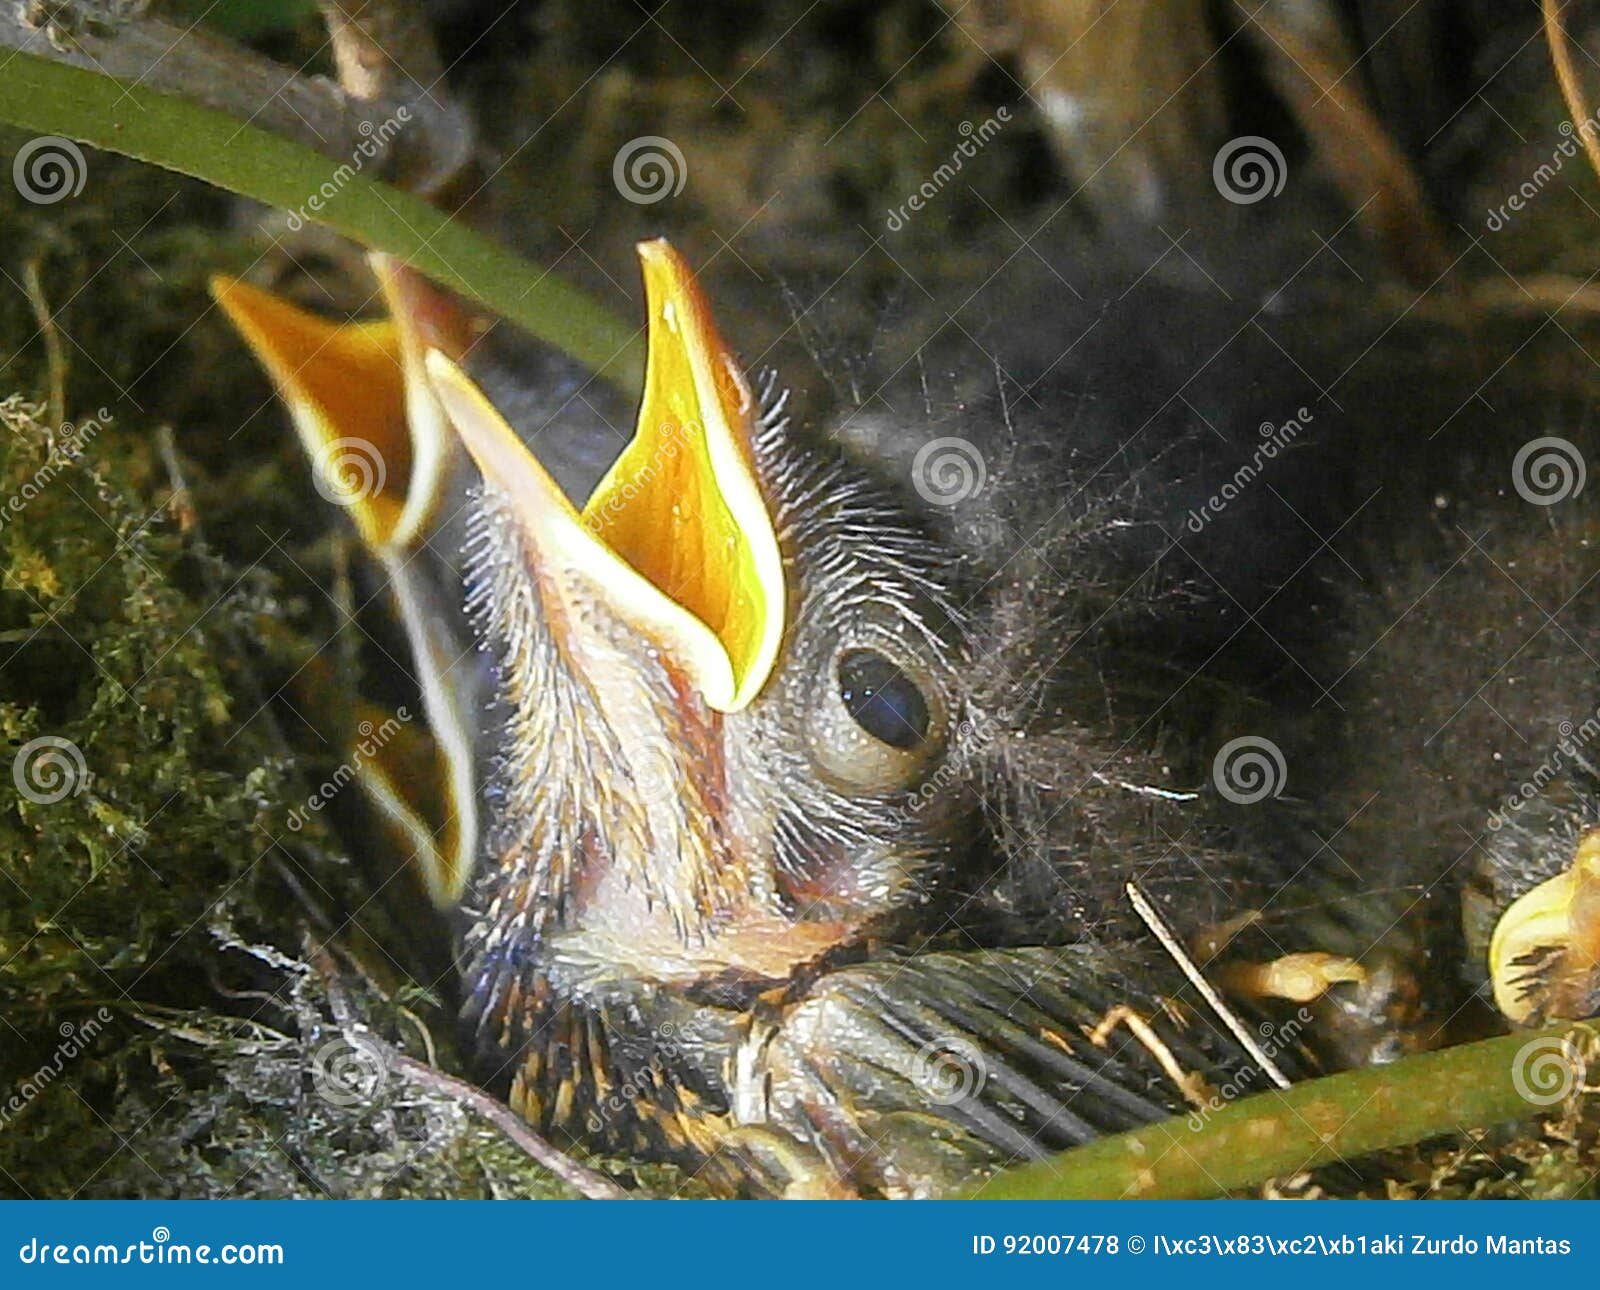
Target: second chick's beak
x,y
663,815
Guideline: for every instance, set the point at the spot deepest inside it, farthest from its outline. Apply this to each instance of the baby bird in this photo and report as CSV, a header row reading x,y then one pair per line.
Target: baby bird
x,y
797,858
830,839
795,822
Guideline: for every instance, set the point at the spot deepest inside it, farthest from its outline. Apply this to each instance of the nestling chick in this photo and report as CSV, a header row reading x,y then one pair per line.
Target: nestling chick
x,y
796,868
739,807
791,831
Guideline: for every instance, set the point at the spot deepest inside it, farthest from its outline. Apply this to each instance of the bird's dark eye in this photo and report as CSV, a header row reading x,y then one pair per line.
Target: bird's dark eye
x,y
882,699
877,721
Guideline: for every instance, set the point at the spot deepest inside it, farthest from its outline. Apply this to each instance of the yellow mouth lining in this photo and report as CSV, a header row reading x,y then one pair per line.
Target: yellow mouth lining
x,y
345,391
682,505
677,537
379,445
371,428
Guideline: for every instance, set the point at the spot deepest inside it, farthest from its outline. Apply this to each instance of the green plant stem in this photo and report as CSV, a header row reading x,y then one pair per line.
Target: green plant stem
x,y
1340,1117
164,130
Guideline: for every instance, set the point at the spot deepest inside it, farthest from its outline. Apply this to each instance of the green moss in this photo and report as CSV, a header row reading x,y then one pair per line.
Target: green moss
x,y
194,1103
134,802
153,618
157,1050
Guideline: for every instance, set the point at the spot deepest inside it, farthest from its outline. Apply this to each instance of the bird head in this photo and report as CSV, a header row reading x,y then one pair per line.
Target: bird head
x,y
727,680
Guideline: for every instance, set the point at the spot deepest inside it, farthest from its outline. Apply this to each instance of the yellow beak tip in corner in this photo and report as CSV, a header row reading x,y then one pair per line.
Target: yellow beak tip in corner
x,y
678,537
1544,956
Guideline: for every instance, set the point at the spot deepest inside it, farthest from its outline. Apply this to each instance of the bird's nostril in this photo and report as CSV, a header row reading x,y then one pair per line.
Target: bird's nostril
x,y
882,699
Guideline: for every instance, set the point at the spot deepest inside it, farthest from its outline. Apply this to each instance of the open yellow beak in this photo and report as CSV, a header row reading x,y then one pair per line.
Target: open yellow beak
x,y
677,539
371,427
380,447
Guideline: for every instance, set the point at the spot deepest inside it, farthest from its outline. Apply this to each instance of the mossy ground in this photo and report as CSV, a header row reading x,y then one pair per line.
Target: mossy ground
x,y
163,587
170,586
